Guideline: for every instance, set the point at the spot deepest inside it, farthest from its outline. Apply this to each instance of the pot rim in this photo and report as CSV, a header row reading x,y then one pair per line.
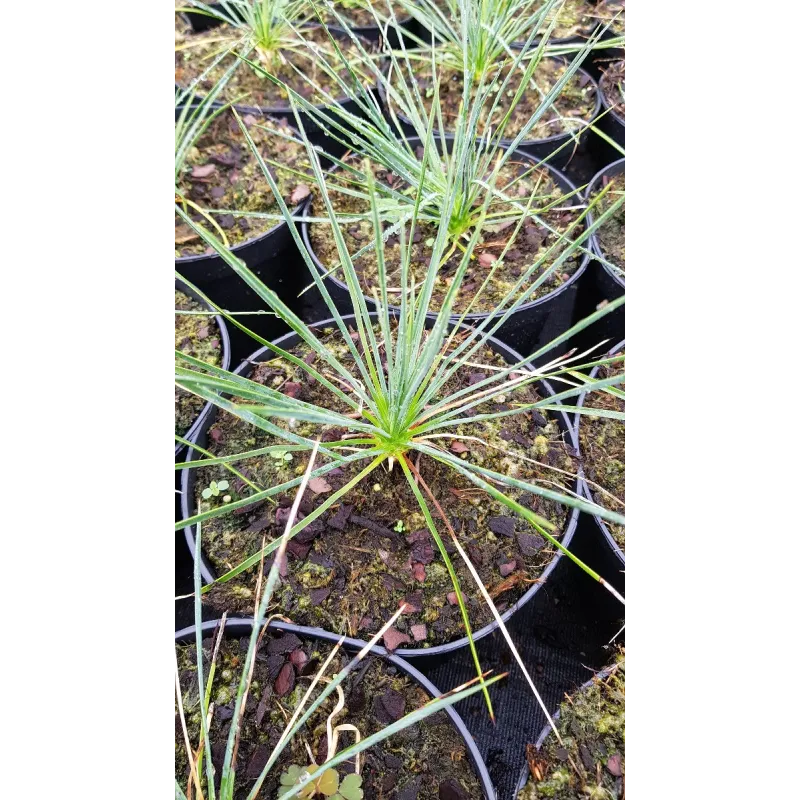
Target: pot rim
x,y
594,242
406,652
201,257
545,732
287,109
226,361
613,113
245,625
582,484
525,142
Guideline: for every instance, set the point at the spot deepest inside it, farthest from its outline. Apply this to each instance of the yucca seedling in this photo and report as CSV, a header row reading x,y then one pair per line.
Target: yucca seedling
x,y
295,781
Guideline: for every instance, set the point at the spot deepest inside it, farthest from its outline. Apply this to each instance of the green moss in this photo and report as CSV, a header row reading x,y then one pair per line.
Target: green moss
x,y
592,727
575,17
603,450
612,232
196,335
362,17
606,10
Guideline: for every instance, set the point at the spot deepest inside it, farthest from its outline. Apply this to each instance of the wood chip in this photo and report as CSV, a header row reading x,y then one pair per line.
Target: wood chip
x,y
301,191
203,171
319,485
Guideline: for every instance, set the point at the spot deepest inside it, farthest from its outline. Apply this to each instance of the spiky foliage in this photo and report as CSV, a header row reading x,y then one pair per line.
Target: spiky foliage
x,y
394,384
269,31
476,35
200,762
265,25
458,181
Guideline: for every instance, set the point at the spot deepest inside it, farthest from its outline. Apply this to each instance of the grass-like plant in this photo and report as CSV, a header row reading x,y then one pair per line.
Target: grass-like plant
x,y
193,115
477,35
458,181
398,410
504,41
272,32
297,782
265,25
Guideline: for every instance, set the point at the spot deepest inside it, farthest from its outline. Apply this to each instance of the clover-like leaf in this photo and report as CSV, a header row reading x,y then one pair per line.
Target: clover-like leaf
x,y
293,775
328,782
206,493
350,788
222,485
290,777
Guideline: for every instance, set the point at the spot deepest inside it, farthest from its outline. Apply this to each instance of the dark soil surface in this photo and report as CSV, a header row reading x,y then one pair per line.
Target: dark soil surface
x,y
591,761
196,335
603,449
183,28
362,17
351,569
222,174
489,279
608,9
611,234
427,761
574,18
575,105
612,83
246,86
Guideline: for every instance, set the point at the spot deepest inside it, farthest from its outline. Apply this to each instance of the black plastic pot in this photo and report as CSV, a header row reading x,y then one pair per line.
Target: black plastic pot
x,y
615,281
267,256
270,256
532,325
237,628
584,487
188,505
577,38
225,345
201,22
372,33
599,284
525,774
540,149
599,58
317,136
611,123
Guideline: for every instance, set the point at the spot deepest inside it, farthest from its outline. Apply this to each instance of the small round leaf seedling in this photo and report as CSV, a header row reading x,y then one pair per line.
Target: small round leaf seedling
x,y
214,489
327,785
